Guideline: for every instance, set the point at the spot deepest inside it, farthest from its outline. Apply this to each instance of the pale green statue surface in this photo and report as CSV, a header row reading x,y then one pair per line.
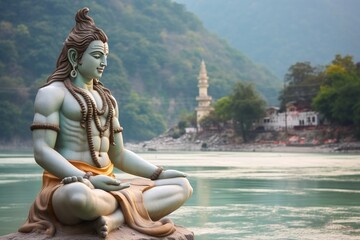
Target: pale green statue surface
x,y
78,140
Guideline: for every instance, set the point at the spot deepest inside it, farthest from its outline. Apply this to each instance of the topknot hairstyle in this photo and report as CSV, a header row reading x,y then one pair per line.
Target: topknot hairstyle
x,y
80,37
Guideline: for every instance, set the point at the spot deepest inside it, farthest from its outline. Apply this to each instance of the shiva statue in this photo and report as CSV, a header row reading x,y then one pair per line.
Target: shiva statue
x,y
78,142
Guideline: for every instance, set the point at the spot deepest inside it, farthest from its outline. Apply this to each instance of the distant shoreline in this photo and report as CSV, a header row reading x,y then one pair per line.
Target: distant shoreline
x,y
168,146
324,140
353,147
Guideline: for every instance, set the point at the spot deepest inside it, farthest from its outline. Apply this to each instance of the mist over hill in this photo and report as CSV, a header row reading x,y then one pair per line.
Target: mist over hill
x,y
279,33
155,52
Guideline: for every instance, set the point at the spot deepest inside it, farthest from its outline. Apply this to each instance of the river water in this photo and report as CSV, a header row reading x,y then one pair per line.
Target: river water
x,y
236,195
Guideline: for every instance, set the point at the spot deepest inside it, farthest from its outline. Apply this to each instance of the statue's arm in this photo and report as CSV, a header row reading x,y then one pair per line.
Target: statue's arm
x,y
131,162
47,106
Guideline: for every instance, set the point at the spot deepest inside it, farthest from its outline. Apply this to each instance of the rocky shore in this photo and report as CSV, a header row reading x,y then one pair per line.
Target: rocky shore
x,y
124,232
321,141
222,142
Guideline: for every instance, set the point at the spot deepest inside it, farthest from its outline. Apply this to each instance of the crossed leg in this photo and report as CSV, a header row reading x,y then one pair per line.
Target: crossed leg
x,y
167,196
76,202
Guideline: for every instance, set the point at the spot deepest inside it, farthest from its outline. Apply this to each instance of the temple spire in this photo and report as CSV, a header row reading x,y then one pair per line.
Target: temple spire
x,y
204,101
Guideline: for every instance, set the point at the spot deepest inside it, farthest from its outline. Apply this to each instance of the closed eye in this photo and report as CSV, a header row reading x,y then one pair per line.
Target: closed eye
x,y
97,55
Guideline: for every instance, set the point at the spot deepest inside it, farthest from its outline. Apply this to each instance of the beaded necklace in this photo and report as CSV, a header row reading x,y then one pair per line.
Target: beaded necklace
x,y
90,112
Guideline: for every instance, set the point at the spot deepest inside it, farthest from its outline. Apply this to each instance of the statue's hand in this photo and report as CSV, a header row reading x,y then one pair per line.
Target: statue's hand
x,y
171,174
68,180
88,183
107,183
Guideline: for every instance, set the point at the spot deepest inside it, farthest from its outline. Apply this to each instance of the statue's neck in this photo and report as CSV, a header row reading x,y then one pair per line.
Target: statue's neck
x,y
83,83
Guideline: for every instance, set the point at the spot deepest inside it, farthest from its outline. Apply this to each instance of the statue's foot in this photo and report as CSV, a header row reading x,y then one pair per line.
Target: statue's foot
x,y
105,224
101,227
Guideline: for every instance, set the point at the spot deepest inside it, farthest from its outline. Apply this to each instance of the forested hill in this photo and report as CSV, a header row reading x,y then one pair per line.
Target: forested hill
x,y
155,52
280,33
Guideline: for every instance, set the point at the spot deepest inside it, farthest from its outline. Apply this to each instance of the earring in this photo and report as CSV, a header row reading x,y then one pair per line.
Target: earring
x,y
73,72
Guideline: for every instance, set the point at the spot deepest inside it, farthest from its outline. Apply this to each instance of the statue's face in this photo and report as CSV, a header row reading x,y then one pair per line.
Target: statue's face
x,y
93,61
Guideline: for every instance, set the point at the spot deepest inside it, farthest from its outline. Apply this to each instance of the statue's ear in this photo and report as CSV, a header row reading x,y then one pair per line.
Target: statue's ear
x,y
72,56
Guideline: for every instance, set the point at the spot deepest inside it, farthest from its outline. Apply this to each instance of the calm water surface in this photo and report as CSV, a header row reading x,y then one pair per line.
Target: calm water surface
x,y
236,195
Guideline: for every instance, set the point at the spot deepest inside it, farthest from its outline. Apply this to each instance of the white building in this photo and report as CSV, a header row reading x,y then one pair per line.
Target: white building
x,y
289,119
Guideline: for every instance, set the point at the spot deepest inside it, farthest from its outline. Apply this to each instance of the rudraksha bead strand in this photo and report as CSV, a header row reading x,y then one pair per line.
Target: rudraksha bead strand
x,y
92,113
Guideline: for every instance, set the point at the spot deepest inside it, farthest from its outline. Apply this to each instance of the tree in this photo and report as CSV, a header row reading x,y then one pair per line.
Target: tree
x,y
246,106
141,122
220,116
339,96
299,73
10,119
302,85
222,108
154,51
189,118
345,63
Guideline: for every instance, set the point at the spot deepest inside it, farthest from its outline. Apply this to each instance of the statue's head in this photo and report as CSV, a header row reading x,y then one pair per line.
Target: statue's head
x,y
83,33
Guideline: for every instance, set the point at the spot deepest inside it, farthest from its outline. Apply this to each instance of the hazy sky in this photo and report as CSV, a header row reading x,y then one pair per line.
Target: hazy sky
x,y
279,33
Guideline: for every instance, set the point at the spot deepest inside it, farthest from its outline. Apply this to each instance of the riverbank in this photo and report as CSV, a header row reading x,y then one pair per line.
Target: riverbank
x,y
148,147
218,142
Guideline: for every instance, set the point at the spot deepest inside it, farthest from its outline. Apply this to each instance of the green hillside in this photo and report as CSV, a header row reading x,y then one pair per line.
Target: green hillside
x,y
155,53
280,33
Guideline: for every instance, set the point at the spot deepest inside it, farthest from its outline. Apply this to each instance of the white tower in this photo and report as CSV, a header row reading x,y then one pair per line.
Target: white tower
x,y
203,99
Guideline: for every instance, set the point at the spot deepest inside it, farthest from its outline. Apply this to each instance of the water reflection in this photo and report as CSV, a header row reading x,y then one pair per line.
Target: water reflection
x,y
236,195
275,197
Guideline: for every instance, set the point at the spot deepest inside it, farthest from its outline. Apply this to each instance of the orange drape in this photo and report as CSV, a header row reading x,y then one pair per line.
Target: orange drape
x,y
42,218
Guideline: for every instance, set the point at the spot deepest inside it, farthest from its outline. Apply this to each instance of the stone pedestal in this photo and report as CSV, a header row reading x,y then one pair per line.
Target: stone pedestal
x,y
124,232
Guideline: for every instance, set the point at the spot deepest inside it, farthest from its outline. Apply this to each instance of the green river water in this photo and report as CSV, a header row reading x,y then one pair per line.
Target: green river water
x,y
237,195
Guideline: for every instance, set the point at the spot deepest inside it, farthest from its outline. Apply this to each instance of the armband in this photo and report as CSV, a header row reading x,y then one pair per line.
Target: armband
x,y
157,173
118,130
53,127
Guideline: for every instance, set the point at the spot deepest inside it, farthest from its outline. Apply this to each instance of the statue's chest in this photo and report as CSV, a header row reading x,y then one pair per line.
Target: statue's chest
x,y
74,107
